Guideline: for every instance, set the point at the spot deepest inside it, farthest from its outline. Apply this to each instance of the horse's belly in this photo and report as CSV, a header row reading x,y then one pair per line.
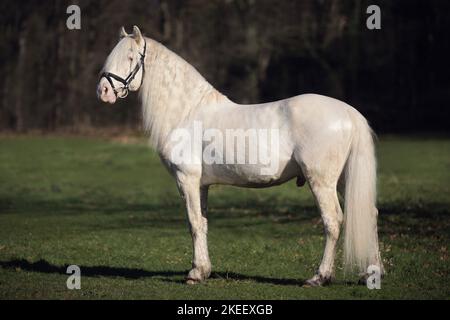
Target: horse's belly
x,y
251,175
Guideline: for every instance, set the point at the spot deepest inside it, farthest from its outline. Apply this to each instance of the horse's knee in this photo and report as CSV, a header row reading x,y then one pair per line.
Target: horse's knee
x,y
199,226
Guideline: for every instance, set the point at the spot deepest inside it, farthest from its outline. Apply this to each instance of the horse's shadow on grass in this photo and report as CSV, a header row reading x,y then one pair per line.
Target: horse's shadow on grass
x,y
130,273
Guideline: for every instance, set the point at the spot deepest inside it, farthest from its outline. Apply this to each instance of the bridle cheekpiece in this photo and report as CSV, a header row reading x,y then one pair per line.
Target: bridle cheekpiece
x,y
127,81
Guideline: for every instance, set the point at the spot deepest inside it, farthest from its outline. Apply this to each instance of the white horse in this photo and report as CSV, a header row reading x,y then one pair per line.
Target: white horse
x,y
321,140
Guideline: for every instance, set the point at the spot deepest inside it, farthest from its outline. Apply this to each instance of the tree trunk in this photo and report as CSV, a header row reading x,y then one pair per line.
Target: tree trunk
x,y
20,73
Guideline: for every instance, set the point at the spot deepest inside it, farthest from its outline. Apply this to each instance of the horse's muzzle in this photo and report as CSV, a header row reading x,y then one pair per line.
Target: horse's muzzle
x,y
105,92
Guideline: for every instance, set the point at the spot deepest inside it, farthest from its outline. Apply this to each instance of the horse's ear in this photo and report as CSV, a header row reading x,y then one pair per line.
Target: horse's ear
x,y
123,33
137,35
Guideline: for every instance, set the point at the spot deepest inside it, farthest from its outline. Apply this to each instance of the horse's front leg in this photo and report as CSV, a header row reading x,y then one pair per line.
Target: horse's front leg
x,y
195,198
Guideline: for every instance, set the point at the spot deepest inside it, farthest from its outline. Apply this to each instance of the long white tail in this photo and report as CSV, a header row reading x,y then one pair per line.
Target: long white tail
x,y
360,224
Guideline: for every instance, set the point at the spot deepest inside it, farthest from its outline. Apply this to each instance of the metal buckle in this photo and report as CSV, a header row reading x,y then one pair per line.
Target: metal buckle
x,y
123,96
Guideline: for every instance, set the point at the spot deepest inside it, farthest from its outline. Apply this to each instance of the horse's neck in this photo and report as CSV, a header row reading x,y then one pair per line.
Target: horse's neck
x,y
171,92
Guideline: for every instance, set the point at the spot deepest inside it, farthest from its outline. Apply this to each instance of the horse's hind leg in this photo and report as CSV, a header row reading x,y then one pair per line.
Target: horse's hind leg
x,y
327,200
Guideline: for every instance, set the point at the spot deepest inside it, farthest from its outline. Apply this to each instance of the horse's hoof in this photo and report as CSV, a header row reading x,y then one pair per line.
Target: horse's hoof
x,y
197,275
317,281
192,281
311,283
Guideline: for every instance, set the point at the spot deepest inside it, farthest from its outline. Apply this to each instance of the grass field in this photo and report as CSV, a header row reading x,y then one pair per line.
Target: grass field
x,y
112,209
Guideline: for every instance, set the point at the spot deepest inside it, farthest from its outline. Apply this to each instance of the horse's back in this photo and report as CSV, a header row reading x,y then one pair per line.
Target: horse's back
x,y
312,113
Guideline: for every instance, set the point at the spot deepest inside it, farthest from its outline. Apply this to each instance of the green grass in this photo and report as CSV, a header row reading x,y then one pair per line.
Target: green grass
x,y
113,210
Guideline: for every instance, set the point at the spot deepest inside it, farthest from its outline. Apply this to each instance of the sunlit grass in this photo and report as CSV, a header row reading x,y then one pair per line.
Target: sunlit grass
x,y
113,210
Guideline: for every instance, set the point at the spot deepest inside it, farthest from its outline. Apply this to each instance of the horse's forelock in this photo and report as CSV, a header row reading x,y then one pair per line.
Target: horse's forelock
x,y
117,59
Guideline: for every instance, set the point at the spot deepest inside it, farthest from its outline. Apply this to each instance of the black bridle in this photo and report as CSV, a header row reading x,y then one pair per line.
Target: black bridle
x,y
127,81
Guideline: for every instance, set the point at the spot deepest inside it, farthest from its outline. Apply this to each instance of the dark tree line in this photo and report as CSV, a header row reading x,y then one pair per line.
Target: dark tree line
x,y
251,50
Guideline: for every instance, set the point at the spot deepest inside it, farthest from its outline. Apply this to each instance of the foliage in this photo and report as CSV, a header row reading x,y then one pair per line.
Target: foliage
x,y
253,51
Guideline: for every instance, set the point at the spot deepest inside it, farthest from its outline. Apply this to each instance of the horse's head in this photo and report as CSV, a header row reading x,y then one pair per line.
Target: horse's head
x,y
124,67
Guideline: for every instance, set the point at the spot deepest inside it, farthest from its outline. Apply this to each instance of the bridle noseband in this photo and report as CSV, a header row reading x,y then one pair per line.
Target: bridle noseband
x,y
127,81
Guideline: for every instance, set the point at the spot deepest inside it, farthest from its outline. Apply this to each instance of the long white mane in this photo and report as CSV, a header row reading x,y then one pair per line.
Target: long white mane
x,y
171,90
